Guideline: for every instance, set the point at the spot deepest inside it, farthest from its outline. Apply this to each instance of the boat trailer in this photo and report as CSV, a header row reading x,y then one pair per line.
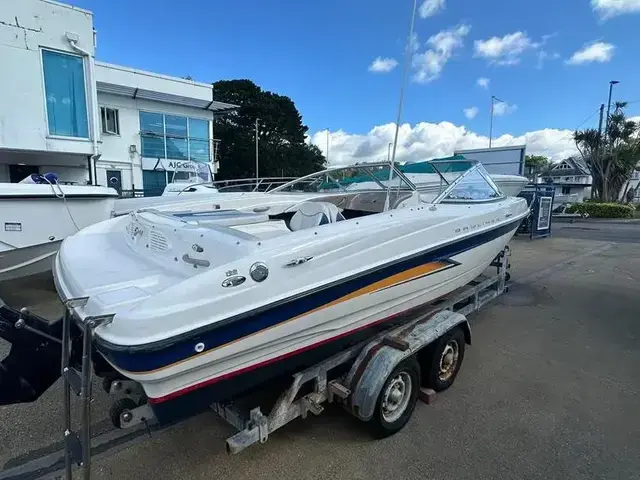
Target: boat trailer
x,y
377,374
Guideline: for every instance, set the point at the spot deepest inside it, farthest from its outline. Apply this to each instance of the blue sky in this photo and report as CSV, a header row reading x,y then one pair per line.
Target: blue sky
x,y
320,53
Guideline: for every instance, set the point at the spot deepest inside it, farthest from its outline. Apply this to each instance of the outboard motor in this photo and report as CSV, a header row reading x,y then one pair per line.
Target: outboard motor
x,y
34,361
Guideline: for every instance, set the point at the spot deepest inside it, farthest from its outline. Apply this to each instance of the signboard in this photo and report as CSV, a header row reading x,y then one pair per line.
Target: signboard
x,y
544,212
164,164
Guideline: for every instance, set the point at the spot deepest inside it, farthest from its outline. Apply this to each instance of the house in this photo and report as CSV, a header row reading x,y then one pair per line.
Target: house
x,y
91,122
572,179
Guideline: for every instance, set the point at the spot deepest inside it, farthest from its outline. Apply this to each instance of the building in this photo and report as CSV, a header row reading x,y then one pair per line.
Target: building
x,y
502,160
572,179
88,121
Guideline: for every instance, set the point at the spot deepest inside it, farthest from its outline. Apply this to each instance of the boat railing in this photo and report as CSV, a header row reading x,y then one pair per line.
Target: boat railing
x,y
262,184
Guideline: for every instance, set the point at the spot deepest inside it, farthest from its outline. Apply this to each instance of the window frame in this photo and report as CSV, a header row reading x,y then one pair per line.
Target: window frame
x,y
86,96
104,123
188,138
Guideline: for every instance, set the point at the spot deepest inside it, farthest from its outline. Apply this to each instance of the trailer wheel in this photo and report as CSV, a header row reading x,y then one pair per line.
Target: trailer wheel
x,y
120,406
397,399
446,358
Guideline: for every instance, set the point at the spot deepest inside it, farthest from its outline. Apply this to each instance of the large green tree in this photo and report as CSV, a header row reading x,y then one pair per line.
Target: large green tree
x,y
612,156
281,134
535,164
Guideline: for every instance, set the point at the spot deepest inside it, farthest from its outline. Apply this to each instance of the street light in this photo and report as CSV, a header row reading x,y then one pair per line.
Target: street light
x,y
493,99
606,125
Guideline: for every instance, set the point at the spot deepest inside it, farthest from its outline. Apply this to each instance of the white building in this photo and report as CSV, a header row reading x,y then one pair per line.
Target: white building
x,y
91,122
572,180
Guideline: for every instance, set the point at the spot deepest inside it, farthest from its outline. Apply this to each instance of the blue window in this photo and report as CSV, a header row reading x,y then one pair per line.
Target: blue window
x,y
64,86
152,135
199,140
174,137
176,128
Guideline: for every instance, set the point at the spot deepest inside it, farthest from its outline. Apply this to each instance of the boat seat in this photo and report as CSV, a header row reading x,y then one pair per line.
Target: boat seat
x,y
314,214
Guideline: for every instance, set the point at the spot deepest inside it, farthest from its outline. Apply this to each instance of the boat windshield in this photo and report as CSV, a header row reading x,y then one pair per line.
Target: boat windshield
x,y
371,176
474,185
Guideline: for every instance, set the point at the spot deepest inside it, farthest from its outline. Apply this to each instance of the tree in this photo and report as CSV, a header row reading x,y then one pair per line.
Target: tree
x,y
611,157
281,134
536,164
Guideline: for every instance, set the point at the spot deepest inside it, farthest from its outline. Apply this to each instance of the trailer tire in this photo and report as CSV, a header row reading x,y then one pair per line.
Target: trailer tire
x,y
117,408
397,399
445,360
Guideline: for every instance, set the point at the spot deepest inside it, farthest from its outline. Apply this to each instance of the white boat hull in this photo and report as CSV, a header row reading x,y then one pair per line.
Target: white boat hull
x,y
334,322
36,218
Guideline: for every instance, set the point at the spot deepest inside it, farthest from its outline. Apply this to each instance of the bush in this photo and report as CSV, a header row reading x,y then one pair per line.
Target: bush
x,y
602,210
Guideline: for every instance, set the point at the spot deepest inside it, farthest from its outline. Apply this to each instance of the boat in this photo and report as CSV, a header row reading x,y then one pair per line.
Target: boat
x,y
204,305
37,217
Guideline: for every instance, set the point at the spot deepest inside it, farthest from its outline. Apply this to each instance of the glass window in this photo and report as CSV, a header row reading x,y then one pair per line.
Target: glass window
x,y
176,126
64,86
152,146
152,122
177,148
199,150
110,121
473,187
174,137
199,129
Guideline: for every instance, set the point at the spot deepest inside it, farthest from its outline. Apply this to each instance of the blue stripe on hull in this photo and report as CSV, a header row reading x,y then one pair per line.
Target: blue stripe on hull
x,y
145,358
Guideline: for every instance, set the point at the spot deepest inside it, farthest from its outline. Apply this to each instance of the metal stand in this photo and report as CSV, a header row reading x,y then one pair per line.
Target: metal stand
x,y
77,449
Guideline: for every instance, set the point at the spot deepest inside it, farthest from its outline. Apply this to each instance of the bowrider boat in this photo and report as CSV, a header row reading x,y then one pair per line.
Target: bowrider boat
x,y
204,305
37,217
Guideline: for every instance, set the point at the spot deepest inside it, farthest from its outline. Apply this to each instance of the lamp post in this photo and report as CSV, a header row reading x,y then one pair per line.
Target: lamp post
x,y
493,100
327,146
606,124
257,151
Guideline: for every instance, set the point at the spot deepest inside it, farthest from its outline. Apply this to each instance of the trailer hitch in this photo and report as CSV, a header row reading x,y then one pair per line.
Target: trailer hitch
x,y
33,362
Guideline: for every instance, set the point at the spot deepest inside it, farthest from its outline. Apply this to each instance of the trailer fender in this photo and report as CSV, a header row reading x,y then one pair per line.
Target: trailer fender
x,y
379,358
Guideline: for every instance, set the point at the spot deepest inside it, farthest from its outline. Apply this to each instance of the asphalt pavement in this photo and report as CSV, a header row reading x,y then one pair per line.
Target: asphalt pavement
x,y
548,389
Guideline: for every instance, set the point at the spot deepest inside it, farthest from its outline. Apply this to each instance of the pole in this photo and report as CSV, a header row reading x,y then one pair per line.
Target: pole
x,y
400,101
389,151
491,122
327,146
257,151
599,151
606,123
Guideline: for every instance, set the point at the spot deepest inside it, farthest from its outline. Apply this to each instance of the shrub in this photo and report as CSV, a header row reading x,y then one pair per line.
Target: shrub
x,y
602,210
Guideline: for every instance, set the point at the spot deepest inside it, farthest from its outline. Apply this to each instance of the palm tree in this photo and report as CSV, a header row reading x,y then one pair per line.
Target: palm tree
x,y
612,157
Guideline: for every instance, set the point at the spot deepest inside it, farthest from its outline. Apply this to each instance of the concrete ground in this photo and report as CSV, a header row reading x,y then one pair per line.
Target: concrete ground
x,y
549,389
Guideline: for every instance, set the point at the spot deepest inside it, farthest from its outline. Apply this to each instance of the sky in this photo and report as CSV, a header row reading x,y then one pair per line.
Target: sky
x,y
549,62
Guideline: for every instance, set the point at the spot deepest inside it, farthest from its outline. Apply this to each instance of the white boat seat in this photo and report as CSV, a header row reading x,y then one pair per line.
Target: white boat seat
x,y
314,214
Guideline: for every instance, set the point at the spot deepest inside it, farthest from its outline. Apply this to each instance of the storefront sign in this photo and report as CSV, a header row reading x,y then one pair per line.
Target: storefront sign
x,y
168,165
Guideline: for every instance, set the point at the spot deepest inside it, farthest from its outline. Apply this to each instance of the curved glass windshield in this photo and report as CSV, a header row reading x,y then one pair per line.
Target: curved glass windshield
x,y
359,177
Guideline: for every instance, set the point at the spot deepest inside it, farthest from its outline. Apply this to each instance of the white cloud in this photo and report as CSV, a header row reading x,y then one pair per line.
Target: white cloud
x,y
470,112
503,108
430,63
592,52
611,8
506,50
483,82
428,140
383,65
429,8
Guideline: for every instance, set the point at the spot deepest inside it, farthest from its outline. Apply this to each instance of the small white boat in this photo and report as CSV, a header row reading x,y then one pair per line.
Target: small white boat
x,y
205,304
37,217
